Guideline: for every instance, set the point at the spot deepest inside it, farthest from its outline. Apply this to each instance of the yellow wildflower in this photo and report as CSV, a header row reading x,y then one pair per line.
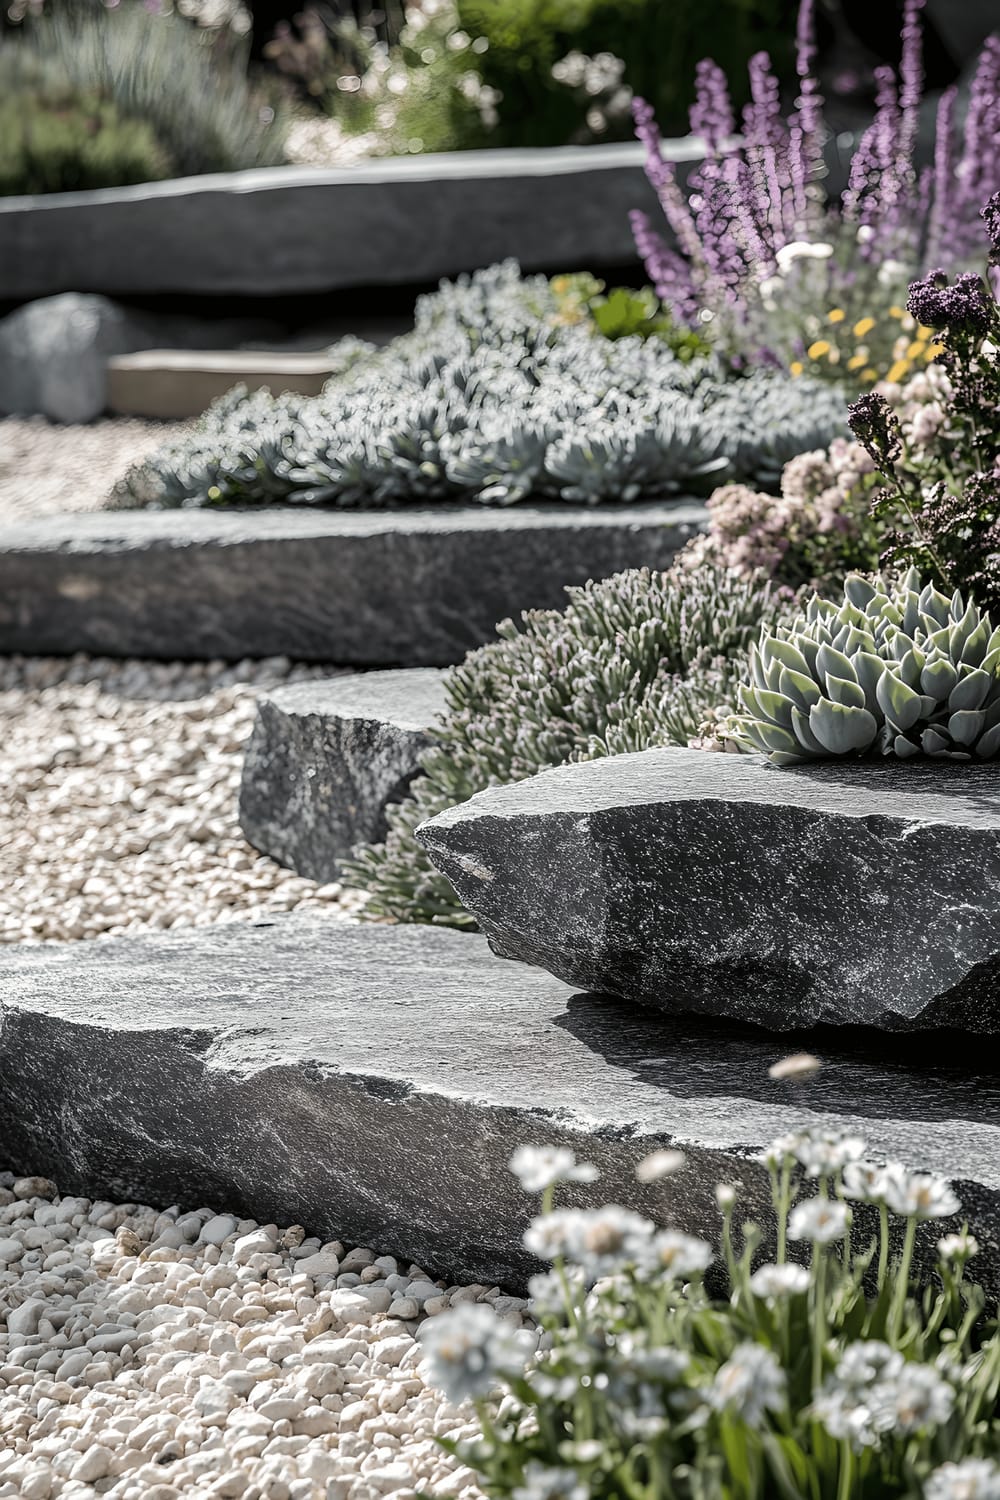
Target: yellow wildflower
x,y
836,315
863,326
856,361
898,370
817,350
869,374
796,367
933,350
924,333
917,347
897,312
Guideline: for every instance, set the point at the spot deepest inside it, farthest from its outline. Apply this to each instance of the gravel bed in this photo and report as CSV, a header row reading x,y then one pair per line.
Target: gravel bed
x,y
119,810
47,469
148,1356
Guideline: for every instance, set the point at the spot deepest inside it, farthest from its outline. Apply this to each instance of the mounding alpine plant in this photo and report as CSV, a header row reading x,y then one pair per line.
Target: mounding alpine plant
x,y
633,661
817,1364
494,399
765,260
900,669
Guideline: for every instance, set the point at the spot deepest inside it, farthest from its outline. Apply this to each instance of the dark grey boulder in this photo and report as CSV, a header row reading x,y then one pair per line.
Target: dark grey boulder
x,y
371,1082
326,758
54,355
412,588
837,892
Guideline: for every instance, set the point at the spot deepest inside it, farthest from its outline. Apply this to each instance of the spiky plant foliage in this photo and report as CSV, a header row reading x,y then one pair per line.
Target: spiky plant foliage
x,y
632,661
897,668
488,400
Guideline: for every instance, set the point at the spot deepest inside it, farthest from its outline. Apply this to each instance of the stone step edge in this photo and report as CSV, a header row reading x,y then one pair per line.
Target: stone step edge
x,y
325,760
368,588
371,1082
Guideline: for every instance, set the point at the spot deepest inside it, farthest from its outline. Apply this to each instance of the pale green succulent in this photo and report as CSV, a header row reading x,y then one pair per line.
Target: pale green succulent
x,y
897,668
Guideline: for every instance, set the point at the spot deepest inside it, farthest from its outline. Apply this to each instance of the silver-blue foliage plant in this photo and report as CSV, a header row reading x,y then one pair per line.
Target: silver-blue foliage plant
x,y
491,400
900,669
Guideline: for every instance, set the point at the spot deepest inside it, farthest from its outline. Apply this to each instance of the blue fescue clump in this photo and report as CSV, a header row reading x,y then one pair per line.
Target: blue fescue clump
x,y
492,399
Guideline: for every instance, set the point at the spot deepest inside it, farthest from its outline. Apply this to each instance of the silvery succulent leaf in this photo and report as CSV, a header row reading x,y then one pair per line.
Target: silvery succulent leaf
x,y
934,691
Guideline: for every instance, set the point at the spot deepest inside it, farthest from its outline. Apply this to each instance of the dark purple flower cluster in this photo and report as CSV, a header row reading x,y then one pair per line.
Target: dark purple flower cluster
x,y
991,215
962,307
876,427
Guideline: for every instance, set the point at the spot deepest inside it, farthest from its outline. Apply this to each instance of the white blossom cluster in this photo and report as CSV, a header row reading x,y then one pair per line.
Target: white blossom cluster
x,y
491,400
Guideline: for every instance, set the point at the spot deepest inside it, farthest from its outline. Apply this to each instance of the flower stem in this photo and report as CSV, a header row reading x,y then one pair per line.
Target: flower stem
x,y
902,1281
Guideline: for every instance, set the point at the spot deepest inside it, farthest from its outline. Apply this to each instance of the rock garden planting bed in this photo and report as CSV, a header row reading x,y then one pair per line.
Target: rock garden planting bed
x,y
410,588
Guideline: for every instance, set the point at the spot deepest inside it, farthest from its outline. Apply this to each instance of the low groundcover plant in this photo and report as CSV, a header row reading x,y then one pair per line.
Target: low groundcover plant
x,y
494,398
820,1366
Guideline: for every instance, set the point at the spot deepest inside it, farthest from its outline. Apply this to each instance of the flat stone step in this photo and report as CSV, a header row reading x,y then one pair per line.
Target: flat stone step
x,y
371,1082
292,230
367,588
839,891
326,758
173,384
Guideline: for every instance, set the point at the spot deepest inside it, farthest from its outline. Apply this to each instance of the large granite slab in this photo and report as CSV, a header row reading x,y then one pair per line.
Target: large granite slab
x,y
367,588
291,230
326,758
840,891
371,1082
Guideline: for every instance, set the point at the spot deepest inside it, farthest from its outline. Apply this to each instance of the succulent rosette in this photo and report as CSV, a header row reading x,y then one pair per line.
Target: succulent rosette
x,y
896,668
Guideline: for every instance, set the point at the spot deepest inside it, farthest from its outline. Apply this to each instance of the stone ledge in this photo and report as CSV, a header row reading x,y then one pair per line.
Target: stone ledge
x,y
371,1082
840,892
326,758
366,588
170,385
291,230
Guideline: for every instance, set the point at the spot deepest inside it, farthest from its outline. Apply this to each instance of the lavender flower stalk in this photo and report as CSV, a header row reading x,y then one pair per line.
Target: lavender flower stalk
x,y
754,208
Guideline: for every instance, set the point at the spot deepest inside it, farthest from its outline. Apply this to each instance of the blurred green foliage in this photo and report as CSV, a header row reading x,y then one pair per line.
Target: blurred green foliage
x,y
660,42
91,97
623,313
56,140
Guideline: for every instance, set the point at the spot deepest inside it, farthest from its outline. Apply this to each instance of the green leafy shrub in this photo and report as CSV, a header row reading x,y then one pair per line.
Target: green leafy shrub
x,y
59,140
622,313
633,661
659,44
184,92
819,1364
898,668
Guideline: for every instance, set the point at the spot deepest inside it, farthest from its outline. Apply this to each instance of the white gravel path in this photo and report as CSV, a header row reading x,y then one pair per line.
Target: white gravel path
x,y
151,1356
119,808
47,469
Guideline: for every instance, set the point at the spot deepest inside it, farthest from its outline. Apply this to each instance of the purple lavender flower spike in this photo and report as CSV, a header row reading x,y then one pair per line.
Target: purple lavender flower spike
x,y
711,113
942,212
748,200
911,78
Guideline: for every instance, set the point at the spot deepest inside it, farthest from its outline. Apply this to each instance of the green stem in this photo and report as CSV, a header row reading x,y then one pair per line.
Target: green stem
x,y
845,1481
902,1286
883,1248
819,1315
